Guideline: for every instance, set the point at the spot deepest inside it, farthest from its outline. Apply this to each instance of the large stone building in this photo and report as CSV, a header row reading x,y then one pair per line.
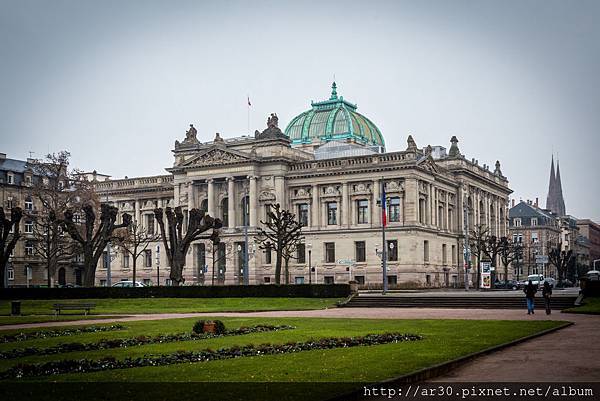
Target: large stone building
x,y
328,166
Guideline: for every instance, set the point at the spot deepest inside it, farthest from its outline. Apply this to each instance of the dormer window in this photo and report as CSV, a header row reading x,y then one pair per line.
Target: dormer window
x,y
28,204
10,178
517,222
27,180
534,221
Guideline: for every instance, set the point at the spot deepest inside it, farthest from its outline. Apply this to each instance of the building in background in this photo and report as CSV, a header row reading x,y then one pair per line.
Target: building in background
x,y
591,230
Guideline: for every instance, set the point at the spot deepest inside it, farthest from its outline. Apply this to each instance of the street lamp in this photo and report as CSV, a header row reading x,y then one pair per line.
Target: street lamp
x,y
309,247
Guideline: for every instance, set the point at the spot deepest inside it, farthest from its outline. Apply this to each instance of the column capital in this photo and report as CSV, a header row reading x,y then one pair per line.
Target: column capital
x,y
228,179
210,180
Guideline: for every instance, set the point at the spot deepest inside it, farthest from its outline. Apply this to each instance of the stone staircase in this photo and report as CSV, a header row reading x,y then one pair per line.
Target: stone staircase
x,y
464,302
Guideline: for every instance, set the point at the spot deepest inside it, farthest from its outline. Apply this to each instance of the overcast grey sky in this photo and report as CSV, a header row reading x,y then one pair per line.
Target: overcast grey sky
x,y
116,82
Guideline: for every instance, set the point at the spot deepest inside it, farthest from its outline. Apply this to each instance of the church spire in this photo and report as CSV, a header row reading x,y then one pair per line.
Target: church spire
x,y
551,188
560,201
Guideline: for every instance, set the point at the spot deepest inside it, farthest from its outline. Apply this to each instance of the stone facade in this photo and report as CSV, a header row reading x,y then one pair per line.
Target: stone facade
x,y
338,198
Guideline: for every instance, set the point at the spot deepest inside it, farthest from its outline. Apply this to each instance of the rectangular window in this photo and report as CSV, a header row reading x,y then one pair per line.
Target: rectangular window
x,y
222,257
360,251
267,279
534,237
328,280
10,179
28,227
28,249
331,213
150,224
453,256
360,280
200,256
303,214
268,255
392,250
9,203
268,218
102,283
426,251
148,258
444,256
301,253
362,208
394,210
28,204
299,280
10,273
126,261
517,222
330,252
105,260
428,279
146,282
393,280
534,221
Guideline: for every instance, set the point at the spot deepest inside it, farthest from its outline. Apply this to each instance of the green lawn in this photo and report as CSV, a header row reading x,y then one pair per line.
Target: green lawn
x,y
6,320
590,306
176,305
443,340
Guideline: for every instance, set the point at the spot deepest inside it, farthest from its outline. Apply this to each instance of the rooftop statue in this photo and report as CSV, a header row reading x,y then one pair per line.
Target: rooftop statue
x,y
273,121
273,131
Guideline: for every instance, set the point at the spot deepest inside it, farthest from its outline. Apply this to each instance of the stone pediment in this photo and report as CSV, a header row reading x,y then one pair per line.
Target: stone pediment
x,y
215,156
427,163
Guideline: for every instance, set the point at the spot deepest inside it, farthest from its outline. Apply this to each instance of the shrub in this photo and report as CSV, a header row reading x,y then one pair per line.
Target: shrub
x,y
199,327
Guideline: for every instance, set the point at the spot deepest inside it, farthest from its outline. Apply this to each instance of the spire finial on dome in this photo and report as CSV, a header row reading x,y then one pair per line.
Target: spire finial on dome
x,y
333,91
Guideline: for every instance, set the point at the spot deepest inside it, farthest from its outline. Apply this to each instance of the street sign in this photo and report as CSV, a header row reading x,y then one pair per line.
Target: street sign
x,y
541,259
346,262
486,267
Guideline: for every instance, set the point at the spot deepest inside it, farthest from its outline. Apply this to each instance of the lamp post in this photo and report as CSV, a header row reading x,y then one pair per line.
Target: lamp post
x,y
157,265
309,247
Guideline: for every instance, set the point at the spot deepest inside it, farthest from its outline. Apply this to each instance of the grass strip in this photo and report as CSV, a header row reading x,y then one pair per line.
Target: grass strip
x,y
58,333
110,363
134,341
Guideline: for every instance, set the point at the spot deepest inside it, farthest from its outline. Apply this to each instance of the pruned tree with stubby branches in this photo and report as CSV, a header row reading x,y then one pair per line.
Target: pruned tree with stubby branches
x,y
492,247
509,252
9,235
282,233
177,243
477,239
92,236
134,241
56,189
561,259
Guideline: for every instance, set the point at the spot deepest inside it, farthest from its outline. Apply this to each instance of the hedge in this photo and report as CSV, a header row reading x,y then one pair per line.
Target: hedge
x,y
226,291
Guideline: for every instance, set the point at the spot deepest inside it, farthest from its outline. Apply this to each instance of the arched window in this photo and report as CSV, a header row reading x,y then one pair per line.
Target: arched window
x,y
481,214
204,205
61,276
245,206
225,212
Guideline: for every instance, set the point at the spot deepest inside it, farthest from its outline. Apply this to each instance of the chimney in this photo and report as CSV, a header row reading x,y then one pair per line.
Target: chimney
x,y
513,203
536,202
2,156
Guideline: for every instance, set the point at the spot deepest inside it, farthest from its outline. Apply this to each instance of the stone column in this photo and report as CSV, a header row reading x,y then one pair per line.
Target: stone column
x,y
253,201
431,206
314,207
345,207
231,201
138,215
211,197
176,195
447,212
280,191
375,210
411,201
191,196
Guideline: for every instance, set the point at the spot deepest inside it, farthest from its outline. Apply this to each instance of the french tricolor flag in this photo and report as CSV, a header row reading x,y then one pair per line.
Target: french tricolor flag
x,y
383,206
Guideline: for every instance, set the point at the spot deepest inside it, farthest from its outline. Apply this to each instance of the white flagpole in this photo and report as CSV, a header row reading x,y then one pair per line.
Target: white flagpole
x,y
248,106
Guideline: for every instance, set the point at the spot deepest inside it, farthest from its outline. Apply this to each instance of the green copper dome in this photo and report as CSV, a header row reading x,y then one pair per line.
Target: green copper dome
x,y
333,119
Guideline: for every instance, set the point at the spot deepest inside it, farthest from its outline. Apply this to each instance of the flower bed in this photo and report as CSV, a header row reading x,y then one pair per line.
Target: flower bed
x,y
134,341
58,333
89,365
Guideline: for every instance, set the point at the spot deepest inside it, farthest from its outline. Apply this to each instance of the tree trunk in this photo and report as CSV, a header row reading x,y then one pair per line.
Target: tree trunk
x,y
278,267
89,268
134,269
287,271
3,263
177,268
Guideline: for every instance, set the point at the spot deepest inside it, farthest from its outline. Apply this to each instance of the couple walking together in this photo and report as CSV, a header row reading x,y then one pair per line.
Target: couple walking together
x,y
530,290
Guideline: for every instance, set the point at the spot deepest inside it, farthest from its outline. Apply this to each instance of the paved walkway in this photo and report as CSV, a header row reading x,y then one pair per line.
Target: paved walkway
x,y
570,354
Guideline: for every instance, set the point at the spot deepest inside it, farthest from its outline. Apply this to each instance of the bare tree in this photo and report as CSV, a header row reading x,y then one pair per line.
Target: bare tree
x,y
134,241
56,188
492,247
509,252
9,235
177,243
283,233
477,239
561,259
93,236
51,244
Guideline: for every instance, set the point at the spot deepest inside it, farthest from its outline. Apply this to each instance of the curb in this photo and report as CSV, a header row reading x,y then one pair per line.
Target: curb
x,y
444,367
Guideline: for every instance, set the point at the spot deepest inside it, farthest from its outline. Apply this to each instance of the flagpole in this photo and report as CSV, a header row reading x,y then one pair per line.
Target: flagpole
x,y
248,106
384,244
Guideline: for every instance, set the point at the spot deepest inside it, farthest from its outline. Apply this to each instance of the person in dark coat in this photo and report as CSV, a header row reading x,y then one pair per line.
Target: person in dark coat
x,y
530,291
547,293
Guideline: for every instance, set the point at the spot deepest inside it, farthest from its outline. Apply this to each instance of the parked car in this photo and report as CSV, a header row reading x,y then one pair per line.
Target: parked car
x,y
128,283
509,285
593,275
550,281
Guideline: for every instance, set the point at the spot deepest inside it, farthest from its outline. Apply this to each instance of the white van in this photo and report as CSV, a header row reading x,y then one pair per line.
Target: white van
x,y
536,279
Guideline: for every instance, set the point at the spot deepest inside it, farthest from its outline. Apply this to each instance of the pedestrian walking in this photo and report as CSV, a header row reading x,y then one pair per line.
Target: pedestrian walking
x,y
530,291
547,294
